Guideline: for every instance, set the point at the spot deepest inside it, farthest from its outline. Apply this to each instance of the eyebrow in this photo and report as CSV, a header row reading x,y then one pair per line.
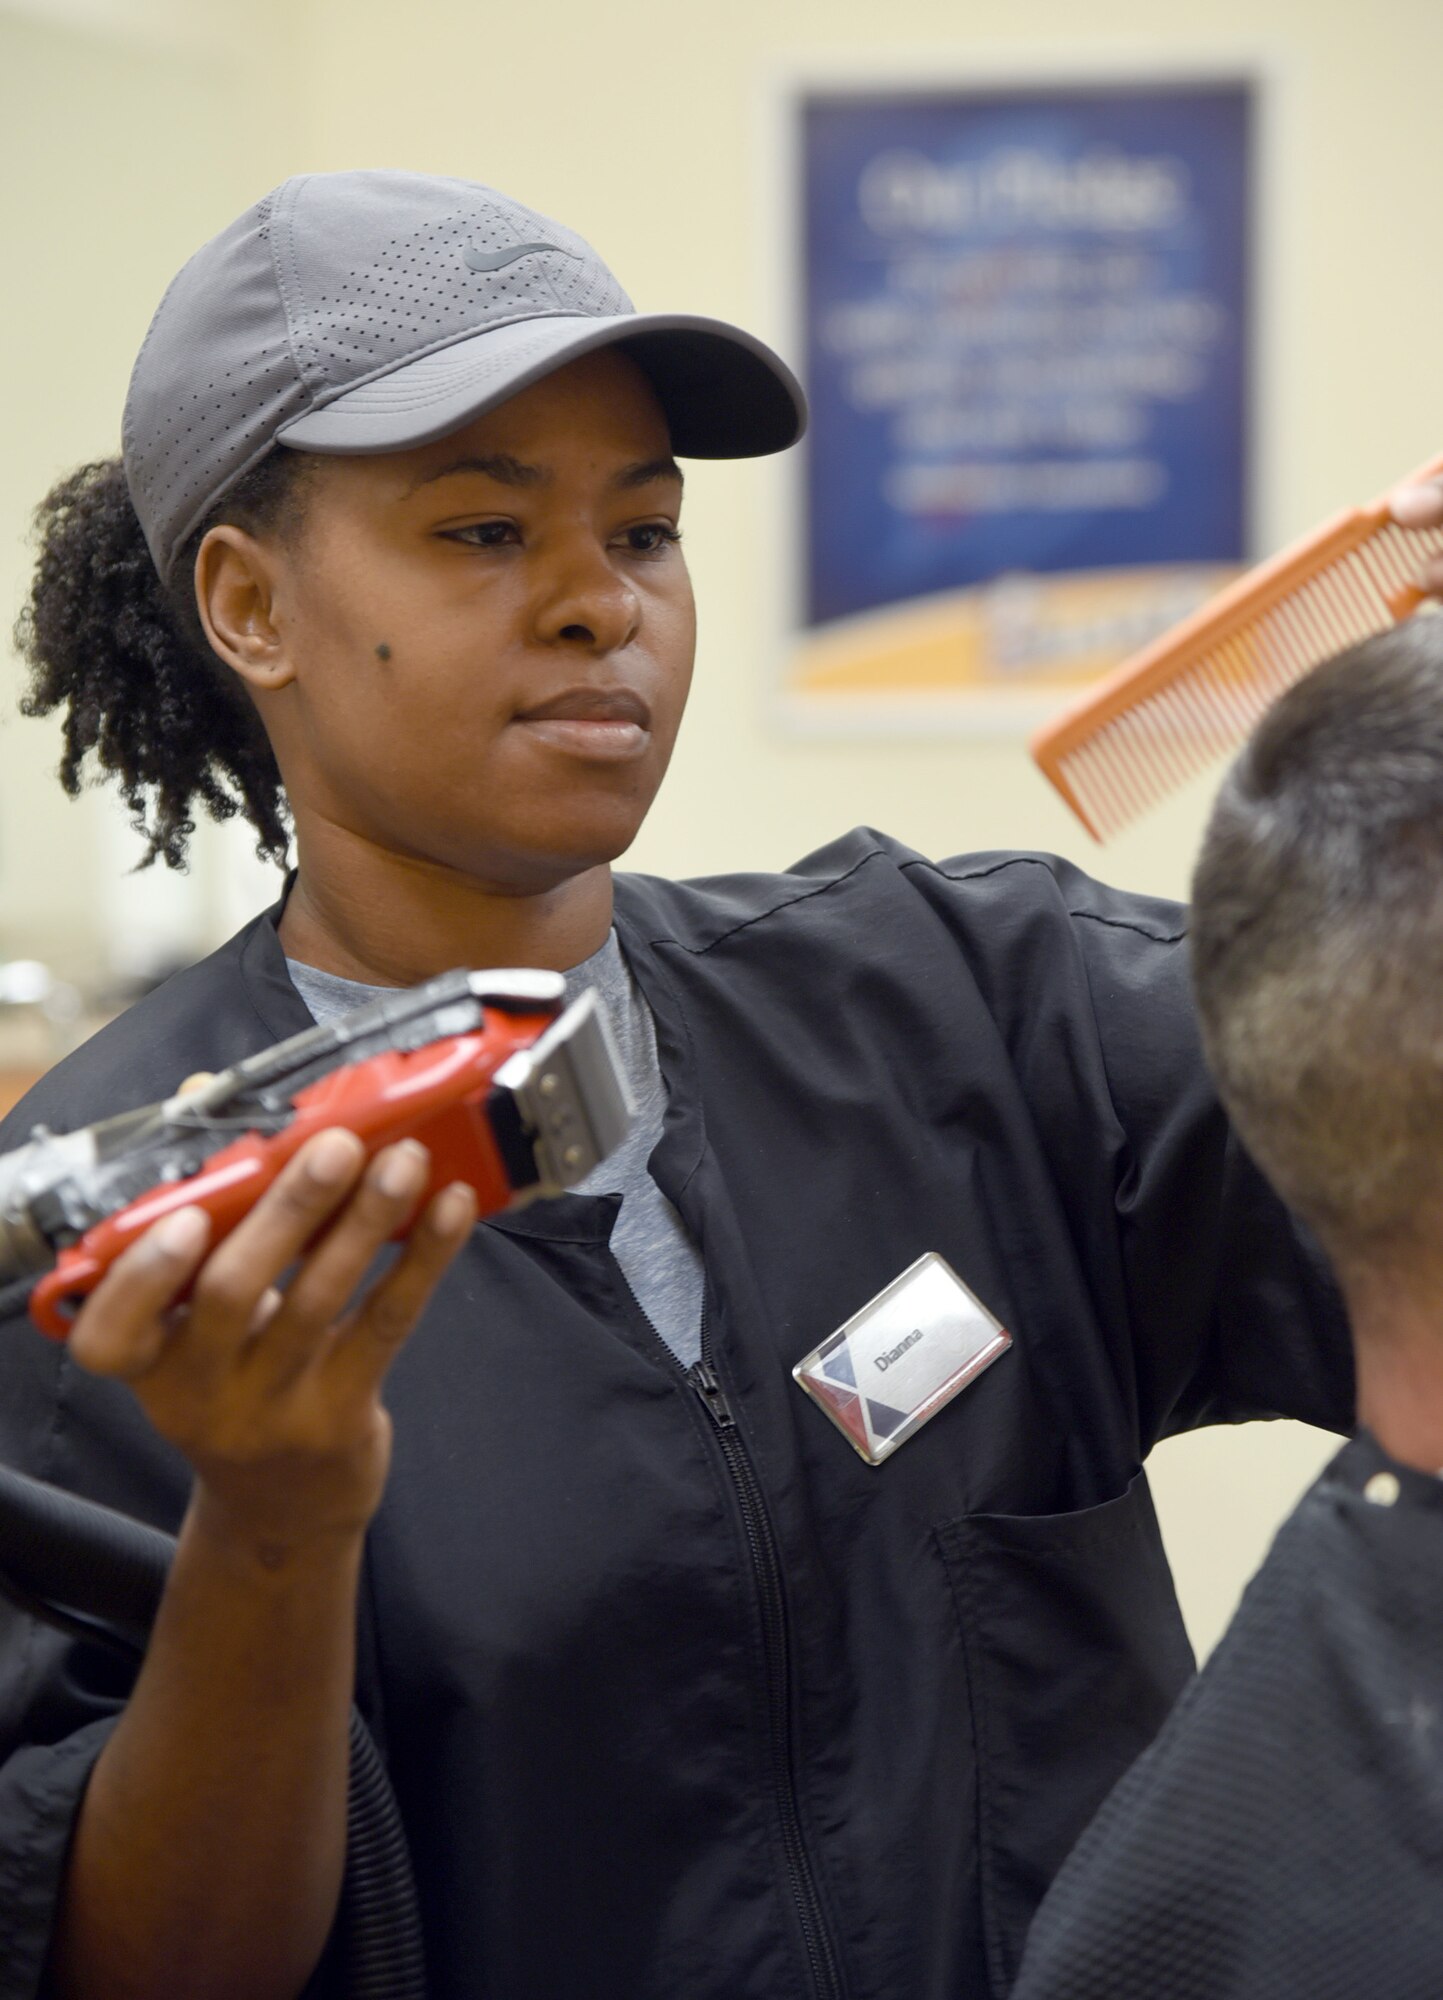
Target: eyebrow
x,y
509,471
644,475
500,466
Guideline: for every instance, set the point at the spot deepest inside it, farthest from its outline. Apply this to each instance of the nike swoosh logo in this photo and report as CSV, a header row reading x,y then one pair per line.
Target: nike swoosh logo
x,y
497,260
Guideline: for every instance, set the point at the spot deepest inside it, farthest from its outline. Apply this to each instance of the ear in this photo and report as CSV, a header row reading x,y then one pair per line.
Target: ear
x,y
236,585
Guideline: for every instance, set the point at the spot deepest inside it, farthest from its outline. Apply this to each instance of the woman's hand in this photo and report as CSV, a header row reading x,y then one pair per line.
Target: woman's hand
x,y
274,1396
211,1843
1422,507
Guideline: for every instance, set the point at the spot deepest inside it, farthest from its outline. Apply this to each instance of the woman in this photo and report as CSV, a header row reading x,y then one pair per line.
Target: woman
x,y
677,1694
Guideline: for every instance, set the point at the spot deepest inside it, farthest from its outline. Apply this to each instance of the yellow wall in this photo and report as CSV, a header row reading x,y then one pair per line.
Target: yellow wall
x,y
131,128
128,134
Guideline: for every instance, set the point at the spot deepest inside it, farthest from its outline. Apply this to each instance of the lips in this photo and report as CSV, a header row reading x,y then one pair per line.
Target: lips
x,y
590,725
591,705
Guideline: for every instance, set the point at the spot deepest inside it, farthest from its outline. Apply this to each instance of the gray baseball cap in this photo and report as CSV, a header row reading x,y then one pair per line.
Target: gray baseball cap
x,y
373,311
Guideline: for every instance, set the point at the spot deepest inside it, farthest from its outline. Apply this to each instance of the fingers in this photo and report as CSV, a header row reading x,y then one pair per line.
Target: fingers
x,y
1421,506
266,1309
122,1328
237,1313
388,1314
324,1286
237,1275
1418,506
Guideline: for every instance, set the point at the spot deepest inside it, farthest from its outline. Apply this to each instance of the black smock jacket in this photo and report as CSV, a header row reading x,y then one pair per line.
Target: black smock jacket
x,y
1284,1835
679,1696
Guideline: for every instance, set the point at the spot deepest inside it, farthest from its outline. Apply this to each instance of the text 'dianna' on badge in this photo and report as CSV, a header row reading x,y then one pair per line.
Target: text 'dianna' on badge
x,y
902,1358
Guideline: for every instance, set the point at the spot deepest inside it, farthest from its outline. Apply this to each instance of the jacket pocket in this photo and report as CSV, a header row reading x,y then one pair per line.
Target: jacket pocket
x,y
1075,1652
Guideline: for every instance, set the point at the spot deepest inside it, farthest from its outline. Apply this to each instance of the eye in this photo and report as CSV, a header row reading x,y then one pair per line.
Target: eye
x,y
484,534
651,538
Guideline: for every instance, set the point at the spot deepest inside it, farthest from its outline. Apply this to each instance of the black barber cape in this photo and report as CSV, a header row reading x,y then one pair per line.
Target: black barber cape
x,y
735,1717
1284,1835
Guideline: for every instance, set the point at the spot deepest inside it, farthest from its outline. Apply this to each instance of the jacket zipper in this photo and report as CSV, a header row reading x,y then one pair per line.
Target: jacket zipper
x,y
701,1378
766,1569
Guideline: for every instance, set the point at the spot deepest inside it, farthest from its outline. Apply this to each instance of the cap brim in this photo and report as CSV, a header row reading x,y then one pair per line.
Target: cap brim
x,y
725,394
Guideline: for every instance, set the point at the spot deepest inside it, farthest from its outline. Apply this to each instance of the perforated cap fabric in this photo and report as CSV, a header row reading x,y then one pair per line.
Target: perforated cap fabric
x,y
373,311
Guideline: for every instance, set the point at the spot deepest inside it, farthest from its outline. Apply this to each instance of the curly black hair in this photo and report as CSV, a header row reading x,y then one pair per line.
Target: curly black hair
x,y
127,659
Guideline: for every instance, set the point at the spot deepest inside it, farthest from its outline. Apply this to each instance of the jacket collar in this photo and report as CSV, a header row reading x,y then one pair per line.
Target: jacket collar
x,y
261,962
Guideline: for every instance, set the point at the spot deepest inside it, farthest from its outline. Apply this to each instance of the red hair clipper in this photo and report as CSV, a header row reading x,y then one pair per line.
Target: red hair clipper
x,y
507,1091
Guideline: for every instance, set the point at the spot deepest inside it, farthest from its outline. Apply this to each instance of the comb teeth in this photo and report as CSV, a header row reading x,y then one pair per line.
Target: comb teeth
x,y
1141,751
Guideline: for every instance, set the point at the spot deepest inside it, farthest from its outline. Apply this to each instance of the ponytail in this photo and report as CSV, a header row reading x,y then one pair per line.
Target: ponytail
x,y
127,661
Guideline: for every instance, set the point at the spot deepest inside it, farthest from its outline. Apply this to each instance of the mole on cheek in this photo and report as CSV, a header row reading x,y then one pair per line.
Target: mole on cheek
x,y
383,651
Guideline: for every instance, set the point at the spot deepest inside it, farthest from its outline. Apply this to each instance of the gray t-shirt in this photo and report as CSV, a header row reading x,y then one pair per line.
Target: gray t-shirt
x,y
652,1244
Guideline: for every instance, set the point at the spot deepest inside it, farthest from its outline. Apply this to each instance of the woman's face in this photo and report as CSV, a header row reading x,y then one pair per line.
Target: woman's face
x,y
486,642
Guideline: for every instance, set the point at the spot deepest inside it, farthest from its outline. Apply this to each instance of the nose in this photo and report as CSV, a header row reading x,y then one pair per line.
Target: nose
x,y
587,603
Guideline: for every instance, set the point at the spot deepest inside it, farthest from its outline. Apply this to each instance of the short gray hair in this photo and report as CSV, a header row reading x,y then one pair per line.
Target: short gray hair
x,y
1317,941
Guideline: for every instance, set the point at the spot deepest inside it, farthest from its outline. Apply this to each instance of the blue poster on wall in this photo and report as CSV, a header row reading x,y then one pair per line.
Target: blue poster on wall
x,y
1026,342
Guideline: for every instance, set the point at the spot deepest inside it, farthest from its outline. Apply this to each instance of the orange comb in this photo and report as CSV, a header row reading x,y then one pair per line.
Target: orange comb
x,y
1196,692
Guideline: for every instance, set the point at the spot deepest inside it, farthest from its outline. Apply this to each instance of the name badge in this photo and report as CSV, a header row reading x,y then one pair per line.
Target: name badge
x,y
902,1358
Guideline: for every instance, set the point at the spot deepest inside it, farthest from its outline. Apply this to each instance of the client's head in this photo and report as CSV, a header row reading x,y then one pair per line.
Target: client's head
x,y
1318,952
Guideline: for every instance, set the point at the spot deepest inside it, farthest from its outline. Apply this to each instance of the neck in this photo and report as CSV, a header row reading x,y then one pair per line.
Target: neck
x,y
388,919
1398,1342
